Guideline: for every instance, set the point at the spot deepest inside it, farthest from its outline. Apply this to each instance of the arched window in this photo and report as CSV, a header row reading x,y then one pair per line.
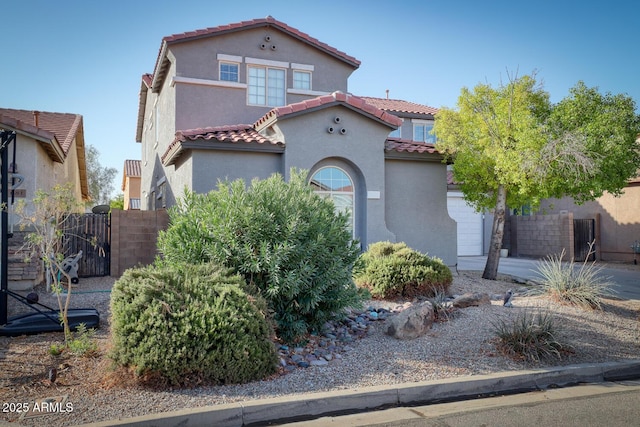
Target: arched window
x,y
336,184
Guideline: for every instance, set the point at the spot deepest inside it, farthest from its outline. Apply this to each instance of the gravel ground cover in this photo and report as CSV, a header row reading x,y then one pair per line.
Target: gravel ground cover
x,y
91,391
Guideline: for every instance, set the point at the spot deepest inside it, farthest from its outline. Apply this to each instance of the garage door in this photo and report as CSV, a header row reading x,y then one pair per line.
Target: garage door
x,y
469,225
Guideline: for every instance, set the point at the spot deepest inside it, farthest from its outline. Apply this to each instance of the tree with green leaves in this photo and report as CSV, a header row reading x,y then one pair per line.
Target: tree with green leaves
x,y
46,223
100,178
117,202
511,147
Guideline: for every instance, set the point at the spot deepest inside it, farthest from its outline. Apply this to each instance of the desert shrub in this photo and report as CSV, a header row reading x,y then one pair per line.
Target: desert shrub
x,y
186,322
393,269
530,337
443,308
285,240
581,285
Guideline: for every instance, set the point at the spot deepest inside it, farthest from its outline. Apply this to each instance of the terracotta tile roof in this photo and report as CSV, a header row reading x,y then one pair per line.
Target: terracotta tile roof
x,y
234,134
324,101
56,131
269,21
406,145
132,169
400,106
64,126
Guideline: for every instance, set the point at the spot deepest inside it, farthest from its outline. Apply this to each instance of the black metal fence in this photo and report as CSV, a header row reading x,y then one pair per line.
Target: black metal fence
x,y
91,234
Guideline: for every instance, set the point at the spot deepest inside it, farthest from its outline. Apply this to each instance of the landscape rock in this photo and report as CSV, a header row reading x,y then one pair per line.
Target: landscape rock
x,y
475,299
411,322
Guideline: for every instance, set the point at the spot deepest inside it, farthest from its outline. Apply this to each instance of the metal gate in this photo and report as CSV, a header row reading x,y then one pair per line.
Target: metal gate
x,y
91,234
584,232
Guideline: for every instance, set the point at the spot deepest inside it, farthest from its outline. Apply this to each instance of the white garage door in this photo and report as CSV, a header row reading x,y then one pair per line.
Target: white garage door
x,y
469,225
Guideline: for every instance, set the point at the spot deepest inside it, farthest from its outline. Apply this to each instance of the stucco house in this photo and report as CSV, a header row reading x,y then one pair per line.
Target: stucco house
x,y
131,184
49,150
258,97
615,220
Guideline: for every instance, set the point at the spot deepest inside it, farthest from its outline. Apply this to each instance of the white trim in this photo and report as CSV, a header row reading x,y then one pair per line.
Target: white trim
x,y
267,62
306,92
422,121
302,67
373,195
230,58
206,82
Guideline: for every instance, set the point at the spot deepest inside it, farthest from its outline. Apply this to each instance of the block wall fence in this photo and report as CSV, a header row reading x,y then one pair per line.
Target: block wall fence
x,y
538,236
134,235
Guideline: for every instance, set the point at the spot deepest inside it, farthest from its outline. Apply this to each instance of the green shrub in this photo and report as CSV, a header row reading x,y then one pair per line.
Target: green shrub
x,y
529,337
285,240
183,322
565,282
390,270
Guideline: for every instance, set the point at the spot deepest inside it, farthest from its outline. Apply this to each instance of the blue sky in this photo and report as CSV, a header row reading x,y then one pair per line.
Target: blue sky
x,y
87,57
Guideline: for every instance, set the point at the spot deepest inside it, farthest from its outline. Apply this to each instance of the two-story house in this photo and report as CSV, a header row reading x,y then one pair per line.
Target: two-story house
x,y
254,98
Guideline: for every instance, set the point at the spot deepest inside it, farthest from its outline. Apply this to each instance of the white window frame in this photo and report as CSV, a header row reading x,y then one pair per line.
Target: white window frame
x,y
330,193
423,123
266,87
302,72
221,63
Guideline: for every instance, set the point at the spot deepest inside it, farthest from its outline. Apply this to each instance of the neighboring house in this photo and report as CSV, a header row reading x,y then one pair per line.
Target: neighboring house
x,y
259,97
49,150
616,220
131,184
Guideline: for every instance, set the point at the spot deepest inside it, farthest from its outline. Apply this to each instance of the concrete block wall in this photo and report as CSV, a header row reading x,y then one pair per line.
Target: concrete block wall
x,y
538,236
134,235
21,274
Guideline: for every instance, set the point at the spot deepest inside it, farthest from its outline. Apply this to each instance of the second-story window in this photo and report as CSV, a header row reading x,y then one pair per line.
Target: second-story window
x,y
302,80
422,132
266,86
229,72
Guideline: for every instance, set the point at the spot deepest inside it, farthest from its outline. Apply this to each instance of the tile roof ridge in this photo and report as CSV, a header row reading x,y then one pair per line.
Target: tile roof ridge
x,y
335,97
211,129
269,20
237,26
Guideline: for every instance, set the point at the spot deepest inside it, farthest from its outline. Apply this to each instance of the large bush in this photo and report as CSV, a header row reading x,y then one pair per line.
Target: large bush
x,y
390,270
190,321
287,242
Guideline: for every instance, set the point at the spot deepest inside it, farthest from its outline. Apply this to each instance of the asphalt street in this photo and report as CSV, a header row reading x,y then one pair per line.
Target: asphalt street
x,y
603,404
625,281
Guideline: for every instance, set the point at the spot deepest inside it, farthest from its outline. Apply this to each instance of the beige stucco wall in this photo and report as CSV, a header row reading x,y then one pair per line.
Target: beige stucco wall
x,y
40,173
131,190
619,220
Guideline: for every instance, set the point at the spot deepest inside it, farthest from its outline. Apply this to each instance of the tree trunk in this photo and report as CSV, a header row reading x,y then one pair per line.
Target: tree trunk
x,y
497,232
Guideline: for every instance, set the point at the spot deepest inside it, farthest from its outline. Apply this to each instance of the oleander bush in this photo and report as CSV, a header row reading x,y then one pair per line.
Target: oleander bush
x,y
579,285
286,241
186,323
391,270
530,337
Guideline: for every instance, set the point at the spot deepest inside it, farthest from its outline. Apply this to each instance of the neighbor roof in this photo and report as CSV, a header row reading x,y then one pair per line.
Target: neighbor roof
x,y
162,62
56,131
131,170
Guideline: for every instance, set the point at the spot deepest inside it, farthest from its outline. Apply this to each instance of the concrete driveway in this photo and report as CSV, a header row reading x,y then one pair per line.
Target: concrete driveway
x,y
625,279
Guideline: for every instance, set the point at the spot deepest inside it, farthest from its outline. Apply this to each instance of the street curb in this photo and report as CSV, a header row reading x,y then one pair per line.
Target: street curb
x,y
311,406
